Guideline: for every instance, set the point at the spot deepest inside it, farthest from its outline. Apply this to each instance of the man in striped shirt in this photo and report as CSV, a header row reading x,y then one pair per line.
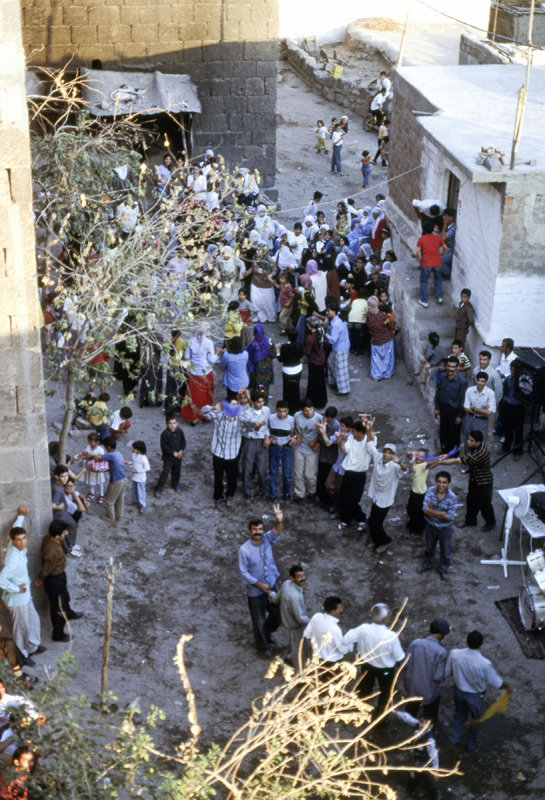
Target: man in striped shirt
x,y
481,482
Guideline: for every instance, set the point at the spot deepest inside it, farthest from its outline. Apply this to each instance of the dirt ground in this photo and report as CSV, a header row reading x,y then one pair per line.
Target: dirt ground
x,y
180,559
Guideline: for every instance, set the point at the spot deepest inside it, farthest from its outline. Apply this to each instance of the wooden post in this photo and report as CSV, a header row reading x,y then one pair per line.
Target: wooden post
x,y
523,93
403,36
110,577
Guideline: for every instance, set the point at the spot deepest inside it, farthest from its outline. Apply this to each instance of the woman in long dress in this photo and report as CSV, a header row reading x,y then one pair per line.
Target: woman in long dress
x,y
319,283
289,355
315,344
200,381
261,290
261,354
381,325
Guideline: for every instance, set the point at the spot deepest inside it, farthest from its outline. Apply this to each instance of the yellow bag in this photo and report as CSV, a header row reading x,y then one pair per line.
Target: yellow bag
x,y
336,71
499,707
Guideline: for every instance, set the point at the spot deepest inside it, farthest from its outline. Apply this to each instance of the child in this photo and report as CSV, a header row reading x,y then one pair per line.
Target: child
x,y
98,415
139,467
245,307
430,357
441,368
465,316
287,294
172,450
95,471
119,421
233,320
425,752
365,167
331,127
464,364
417,521
321,132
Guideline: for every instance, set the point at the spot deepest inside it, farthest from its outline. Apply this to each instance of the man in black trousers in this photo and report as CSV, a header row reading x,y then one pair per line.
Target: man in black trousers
x,y
449,405
53,578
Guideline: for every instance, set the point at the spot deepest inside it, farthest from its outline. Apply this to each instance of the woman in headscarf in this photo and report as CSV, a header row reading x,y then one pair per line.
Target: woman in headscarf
x,y
200,381
381,325
310,228
378,224
332,278
315,351
342,265
289,355
319,283
231,269
265,226
261,289
261,354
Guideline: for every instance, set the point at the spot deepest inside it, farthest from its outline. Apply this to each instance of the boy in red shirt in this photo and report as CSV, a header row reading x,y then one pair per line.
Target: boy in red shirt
x,y
429,249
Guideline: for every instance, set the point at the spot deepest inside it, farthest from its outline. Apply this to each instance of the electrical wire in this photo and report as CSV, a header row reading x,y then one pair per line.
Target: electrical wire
x,y
481,30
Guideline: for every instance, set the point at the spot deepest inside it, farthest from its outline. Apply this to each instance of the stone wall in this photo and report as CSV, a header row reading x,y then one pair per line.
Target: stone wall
x,y
24,469
345,93
228,47
511,22
479,51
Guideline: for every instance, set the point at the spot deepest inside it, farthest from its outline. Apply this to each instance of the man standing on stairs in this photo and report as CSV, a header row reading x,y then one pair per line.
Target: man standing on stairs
x,y
449,405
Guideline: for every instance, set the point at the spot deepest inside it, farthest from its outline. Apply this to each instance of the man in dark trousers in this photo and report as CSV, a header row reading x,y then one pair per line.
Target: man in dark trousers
x,y
449,405
53,578
481,482
424,671
172,450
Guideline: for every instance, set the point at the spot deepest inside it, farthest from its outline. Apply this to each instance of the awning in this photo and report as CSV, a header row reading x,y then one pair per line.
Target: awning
x,y
110,93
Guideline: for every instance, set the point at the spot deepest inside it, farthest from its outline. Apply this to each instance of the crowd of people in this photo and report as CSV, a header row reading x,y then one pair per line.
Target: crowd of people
x,y
326,282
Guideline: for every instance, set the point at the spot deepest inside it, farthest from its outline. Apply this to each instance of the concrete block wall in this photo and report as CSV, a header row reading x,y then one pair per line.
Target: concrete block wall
x,y
24,467
479,51
406,145
513,22
228,47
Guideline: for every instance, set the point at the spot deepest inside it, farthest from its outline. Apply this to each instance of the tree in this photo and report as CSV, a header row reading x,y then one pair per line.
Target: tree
x,y
310,736
115,290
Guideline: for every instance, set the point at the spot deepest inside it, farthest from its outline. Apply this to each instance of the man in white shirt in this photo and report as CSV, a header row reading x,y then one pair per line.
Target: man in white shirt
x,y
254,452
381,651
293,611
507,355
325,635
306,452
387,469
298,242
471,673
479,405
355,465
377,105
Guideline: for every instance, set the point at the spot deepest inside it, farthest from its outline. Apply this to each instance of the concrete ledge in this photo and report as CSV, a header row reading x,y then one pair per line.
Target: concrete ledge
x,y
366,39
481,51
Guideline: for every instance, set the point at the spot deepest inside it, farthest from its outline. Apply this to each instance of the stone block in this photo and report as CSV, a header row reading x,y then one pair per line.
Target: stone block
x,y
83,34
260,51
144,33
236,122
88,52
169,32
192,50
216,122
194,31
244,69
270,86
74,15
59,54
264,135
59,34
160,13
183,13
128,50
114,33
33,16
34,34
21,189
213,29
238,86
231,31
260,105
218,69
254,86
213,105
266,69
220,86
103,15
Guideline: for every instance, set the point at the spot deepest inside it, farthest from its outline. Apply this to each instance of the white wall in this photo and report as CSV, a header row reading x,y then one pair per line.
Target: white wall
x,y
300,18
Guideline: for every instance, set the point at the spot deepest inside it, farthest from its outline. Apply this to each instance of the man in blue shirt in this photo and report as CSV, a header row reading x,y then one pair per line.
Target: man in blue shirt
x,y
259,573
439,508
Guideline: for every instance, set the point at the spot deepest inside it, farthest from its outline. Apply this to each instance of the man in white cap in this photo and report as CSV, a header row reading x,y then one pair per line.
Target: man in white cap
x,y
387,469
381,651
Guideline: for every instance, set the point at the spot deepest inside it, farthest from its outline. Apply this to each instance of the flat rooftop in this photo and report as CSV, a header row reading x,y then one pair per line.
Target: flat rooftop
x,y
476,107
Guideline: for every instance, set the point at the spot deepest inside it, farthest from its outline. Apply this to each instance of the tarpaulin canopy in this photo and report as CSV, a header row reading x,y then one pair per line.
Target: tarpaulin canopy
x,y
110,93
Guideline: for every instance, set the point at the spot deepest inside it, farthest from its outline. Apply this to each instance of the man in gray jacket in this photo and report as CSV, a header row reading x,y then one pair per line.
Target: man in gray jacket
x,y
424,671
293,611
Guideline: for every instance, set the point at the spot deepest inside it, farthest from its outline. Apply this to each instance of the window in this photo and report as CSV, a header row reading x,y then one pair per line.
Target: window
x,y
453,191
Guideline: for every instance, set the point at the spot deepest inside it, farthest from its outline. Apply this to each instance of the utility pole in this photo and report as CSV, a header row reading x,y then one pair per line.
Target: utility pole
x,y
404,35
523,92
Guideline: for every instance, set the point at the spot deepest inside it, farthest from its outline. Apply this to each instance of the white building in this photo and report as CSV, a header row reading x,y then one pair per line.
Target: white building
x,y
442,117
